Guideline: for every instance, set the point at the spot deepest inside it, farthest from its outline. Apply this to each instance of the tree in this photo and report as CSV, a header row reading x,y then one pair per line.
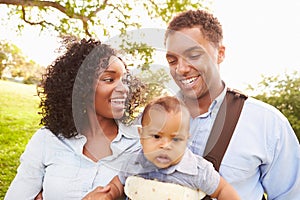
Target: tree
x,y
15,64
83,18
3,58
100,19
284,94
11,58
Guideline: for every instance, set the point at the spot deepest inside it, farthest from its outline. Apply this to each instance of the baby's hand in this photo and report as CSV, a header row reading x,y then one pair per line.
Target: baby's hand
x,y
99,193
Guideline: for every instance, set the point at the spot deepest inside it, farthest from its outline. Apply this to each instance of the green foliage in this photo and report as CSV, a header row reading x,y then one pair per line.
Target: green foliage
x,y
18,121
166,9
74,17
100,19
284,94
14,64
152,87
154,81
10,54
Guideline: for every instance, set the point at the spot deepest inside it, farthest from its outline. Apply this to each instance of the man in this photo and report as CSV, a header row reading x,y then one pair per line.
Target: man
x,y
263,155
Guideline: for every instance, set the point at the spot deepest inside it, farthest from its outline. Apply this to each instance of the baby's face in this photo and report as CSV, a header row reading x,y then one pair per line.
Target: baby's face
x,y
164,137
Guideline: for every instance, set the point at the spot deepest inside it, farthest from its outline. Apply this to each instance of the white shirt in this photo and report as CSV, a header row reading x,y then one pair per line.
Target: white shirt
x,y
263,154
58,166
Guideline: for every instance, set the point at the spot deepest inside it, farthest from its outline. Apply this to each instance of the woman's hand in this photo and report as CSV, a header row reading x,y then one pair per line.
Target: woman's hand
x,y
99,193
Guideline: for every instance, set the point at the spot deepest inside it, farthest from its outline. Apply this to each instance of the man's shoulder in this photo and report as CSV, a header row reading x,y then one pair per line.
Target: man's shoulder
x,y
258,106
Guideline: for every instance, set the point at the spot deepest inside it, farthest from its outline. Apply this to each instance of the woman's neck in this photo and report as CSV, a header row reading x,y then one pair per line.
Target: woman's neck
x,y
100,133
109,128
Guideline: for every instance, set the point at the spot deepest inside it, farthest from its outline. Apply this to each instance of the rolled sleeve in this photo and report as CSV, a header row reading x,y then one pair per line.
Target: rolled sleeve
x,y
28,181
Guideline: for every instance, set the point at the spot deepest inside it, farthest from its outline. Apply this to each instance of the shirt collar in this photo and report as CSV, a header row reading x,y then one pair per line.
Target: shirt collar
x,y
130,131
215,104
144,162
187,165
117,146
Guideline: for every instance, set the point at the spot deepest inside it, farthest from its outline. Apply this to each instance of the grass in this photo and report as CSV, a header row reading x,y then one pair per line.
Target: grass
x,y
18,121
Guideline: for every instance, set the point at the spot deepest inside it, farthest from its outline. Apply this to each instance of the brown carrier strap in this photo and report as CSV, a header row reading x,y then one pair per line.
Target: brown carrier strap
x,y
223,127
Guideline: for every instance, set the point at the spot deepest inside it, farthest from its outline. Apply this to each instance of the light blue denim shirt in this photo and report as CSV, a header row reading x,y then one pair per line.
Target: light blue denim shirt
x,y
192,171
263,154
58,166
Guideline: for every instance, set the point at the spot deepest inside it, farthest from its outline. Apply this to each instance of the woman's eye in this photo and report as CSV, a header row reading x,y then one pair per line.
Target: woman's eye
x,y
108,79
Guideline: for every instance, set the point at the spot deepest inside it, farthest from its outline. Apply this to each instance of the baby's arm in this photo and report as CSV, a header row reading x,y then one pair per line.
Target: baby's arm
x,y
112,191
225,191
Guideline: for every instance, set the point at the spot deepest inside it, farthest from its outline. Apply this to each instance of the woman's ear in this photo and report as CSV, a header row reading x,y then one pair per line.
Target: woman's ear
x,y
221,54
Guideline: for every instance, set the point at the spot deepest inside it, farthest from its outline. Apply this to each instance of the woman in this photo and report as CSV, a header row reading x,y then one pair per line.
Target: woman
x,y
84,95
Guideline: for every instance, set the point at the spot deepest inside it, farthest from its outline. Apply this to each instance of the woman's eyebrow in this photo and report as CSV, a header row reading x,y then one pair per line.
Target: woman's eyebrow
x,y
110,71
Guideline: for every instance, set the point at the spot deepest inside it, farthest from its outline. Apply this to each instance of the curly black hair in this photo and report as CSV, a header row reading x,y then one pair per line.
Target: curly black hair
x,y
208,24
67,86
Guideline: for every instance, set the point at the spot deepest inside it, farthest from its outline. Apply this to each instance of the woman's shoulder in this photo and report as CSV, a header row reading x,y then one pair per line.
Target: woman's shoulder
x,y
42,134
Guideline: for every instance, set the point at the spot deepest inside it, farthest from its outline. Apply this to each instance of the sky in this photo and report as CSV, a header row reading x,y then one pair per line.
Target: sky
x,y
262,37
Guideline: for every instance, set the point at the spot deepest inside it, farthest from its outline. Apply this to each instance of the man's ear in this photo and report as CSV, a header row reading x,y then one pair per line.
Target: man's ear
x,y
221,54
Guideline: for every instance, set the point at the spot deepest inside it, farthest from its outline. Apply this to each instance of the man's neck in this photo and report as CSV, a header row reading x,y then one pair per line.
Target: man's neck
x,y
201,105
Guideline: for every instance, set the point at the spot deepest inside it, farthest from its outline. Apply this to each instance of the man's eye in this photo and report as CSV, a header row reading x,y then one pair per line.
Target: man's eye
x,y
194,56
171,60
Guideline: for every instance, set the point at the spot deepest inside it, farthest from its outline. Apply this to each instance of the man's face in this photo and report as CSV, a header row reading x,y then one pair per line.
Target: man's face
x,y
193,62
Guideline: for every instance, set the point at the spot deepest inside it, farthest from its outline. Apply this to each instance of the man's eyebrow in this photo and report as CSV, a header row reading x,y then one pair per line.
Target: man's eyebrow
x,y
192,49
172,53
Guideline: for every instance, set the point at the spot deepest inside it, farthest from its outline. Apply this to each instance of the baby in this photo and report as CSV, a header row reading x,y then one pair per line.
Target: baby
x,y
165,157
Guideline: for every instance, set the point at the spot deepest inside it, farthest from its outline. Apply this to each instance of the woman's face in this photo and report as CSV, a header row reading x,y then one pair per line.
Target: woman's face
x,y
111,92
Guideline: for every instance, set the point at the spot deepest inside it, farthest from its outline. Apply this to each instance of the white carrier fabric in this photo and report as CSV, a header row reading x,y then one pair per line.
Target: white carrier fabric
x,y
137,188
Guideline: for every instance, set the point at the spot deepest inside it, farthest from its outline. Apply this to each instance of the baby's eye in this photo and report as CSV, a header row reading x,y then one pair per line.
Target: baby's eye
x,y
177,139
155,136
